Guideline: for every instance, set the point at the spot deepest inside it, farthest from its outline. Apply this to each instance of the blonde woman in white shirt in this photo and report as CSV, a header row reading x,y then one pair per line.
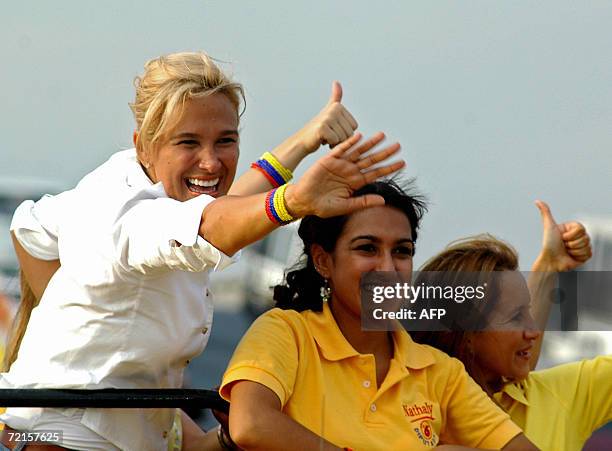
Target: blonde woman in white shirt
x,y
137,237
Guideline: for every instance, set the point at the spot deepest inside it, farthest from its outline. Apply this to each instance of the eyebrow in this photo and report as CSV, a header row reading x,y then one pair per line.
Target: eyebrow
x,y
195,135
376,239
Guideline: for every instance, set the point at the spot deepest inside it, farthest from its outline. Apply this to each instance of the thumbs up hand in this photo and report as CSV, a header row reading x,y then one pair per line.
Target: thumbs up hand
x,y
565,246
333,125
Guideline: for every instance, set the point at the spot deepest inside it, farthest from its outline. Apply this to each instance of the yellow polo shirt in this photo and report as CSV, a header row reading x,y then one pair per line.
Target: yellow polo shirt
x,y
323,383
559,408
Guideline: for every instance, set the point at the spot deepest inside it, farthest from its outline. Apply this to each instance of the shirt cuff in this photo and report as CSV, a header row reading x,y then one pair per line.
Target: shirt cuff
x,y
35,239
501,436
253,374
187,240
188,217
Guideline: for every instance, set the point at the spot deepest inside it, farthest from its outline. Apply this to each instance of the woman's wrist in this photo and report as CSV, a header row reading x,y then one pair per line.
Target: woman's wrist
x,y
295,207
276,208
543,263
225,441
291,152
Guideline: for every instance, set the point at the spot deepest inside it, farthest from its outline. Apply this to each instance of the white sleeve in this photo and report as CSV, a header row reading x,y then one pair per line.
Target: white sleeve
x,y
36,225
162,233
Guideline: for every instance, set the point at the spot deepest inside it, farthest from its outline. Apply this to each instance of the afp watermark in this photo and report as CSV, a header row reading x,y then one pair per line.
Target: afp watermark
x,y
473,301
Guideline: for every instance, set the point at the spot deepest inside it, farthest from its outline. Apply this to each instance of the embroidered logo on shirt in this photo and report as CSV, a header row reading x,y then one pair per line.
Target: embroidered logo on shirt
x,y
423,410
421,416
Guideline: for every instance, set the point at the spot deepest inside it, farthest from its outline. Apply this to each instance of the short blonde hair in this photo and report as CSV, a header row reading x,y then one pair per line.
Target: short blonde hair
x,y
480,253
167,83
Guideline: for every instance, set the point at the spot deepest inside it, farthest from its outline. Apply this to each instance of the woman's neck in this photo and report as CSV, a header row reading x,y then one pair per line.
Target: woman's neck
x,y
491,383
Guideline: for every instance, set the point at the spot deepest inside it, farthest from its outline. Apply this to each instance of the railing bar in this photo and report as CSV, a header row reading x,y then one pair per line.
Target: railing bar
x,y
112,398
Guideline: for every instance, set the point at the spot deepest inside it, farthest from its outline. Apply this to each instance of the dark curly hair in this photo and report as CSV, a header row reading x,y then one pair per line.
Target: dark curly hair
x,y
302,287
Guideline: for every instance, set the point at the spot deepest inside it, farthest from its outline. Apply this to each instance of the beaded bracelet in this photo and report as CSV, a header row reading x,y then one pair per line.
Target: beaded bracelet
x,y
225,442
282,170
273,170
276,208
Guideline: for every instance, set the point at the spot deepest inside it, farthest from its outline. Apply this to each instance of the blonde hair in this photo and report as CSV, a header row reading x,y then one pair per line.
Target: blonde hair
x,y
167,83
482,254
20,322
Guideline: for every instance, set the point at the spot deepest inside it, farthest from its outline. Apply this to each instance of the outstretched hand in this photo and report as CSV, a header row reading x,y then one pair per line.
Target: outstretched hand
x,y
326,188
333,125
565,246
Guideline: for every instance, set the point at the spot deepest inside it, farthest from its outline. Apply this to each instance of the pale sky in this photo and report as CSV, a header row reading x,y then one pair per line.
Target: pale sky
x,y
495,103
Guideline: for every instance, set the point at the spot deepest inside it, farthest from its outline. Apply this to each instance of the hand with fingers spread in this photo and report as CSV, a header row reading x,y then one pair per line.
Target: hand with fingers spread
x,y
565,246
326,188
333,125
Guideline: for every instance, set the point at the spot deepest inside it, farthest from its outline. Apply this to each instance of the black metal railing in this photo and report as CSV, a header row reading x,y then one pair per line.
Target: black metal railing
x,y
113,398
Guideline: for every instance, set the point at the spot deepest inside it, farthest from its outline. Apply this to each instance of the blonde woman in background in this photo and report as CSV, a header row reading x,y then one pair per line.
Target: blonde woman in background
x,y
138,236
559,407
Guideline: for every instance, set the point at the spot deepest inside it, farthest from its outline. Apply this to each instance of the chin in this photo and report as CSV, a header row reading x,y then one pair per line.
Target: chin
x,y
520,374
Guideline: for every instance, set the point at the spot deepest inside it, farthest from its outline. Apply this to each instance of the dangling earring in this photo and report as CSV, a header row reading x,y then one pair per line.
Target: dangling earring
x,y
325,291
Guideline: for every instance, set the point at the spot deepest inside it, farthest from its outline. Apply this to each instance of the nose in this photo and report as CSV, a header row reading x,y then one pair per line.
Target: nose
x,y
385,262
209,160
531,331
531,334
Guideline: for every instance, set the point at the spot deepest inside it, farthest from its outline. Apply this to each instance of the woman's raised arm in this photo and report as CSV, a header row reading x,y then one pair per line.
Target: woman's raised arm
x,y
231,222
565,246
332,125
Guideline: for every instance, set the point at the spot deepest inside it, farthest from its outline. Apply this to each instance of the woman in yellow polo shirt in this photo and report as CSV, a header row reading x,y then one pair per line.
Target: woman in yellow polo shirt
x,y
306,376
558,408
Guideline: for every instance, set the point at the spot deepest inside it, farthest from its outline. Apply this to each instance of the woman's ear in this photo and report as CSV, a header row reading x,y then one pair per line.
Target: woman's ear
x,y
140,152
321,259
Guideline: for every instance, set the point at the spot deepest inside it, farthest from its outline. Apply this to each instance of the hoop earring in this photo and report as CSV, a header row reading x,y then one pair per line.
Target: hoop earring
x,y
325,291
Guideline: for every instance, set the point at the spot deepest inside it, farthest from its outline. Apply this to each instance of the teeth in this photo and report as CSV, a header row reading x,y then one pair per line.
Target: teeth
x,y
206,183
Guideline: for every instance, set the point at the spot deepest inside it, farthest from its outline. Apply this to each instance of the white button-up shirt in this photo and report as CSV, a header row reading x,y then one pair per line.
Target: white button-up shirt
x,y
129,304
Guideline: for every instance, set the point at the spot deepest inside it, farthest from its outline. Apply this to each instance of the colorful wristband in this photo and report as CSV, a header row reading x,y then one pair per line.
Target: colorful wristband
x,y
280,206
271,179
273,170
269,206
276,209
282,170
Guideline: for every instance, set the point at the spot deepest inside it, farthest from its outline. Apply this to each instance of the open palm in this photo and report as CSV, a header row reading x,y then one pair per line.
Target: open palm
x,y
326,188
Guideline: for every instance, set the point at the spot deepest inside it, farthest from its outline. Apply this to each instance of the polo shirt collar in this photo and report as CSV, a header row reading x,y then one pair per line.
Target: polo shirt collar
x,y
515,390
334,346
410,354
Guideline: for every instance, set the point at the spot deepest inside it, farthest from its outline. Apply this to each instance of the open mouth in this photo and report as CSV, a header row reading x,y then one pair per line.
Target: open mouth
x,y
525,353
199,186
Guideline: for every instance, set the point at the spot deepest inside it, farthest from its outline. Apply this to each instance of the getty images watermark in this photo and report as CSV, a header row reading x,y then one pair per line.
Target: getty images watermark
x,y
472,301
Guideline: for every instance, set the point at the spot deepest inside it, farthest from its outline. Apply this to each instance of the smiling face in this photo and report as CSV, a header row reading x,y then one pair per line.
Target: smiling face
x,y
200,154
374,239
505,350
